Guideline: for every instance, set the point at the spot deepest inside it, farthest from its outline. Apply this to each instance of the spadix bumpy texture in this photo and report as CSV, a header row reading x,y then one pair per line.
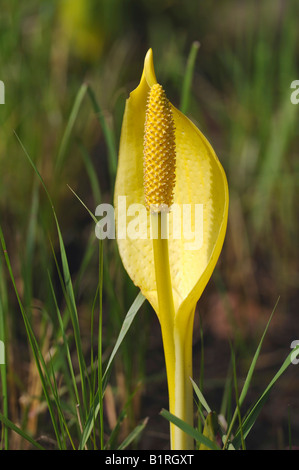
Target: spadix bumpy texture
x,y
159,151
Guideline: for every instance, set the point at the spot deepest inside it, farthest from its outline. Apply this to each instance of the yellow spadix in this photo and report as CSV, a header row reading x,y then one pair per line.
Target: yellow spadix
x,y
159,152
165,161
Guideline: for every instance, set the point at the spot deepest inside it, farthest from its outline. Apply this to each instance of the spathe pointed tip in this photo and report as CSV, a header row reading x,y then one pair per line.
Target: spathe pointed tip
x,y
149,70
149,52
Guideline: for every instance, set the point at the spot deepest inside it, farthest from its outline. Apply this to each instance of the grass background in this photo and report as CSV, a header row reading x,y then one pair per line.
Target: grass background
x,y
68,67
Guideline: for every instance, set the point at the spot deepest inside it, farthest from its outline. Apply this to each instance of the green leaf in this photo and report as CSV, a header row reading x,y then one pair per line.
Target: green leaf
x,y
198,436
249,376
253,414
185,98
19,431
39,360
69,127
200,397
108,134
124,329
133,435
139,300
69,297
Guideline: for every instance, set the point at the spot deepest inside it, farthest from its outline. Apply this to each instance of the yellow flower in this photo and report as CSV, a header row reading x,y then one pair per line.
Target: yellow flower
x,y
171,270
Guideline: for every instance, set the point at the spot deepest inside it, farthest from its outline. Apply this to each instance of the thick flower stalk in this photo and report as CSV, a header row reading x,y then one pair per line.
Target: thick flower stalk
x,y
168,167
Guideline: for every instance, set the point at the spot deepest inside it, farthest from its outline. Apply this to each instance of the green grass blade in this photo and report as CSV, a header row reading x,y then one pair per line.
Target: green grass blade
x,y
68,284
133,435
35,168
185,98
69,127
3,371
139,300
253,414
100,293
65,343
237,397
200,396
4,310
273,157
74,316
225,408
249,375
197,436
93,177
27,273
100,344
97,401
62,420
255,358
289,430
33,344
112,439
84,205
19,431
108,134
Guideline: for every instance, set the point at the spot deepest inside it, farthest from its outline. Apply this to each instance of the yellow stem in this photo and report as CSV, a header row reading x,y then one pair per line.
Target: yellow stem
x,y
177,341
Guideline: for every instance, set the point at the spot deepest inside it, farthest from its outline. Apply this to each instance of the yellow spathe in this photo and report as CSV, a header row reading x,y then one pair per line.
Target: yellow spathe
x,y
200,179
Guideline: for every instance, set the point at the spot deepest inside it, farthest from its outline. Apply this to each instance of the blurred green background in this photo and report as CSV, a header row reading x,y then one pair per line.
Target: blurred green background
x,y
239,98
